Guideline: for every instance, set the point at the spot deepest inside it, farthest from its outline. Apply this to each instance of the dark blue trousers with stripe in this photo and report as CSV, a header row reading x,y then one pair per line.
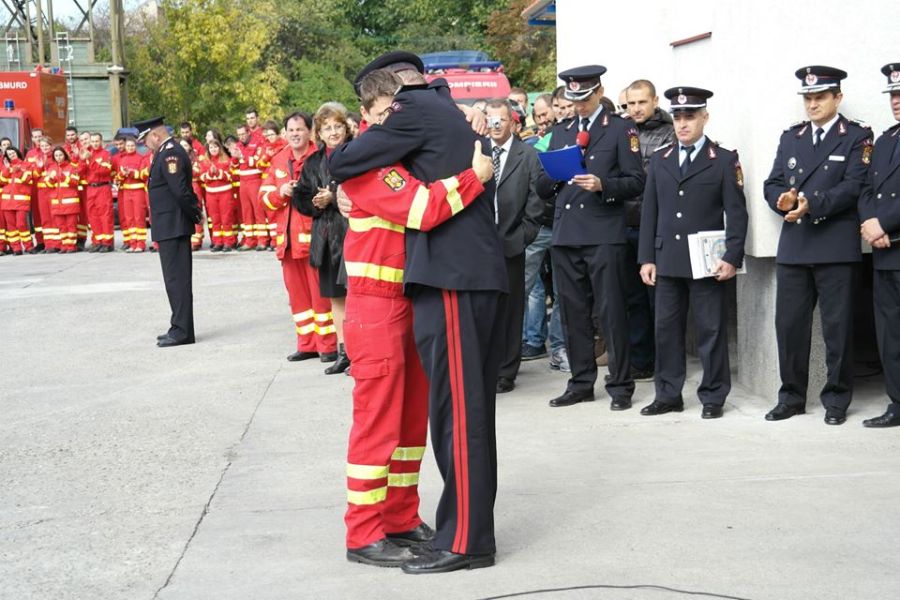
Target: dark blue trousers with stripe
x,y
459,339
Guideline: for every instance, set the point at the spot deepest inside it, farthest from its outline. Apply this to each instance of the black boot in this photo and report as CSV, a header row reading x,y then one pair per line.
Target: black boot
x,y
341,364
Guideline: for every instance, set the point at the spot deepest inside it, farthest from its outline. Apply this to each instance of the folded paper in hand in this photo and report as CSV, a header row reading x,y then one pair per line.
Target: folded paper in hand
x,y
707,248
563,165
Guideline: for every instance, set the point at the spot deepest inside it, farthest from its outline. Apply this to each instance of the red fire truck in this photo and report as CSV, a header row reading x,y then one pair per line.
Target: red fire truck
x,y
29,100
471,75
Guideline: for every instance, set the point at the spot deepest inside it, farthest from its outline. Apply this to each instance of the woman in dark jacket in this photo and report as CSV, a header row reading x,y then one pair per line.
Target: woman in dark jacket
x,y
314,195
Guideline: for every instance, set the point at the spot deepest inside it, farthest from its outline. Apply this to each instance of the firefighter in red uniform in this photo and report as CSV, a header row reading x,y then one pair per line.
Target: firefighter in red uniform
x,y
253,216
48,228
390,398
312,313
272,146
63,178
187,134
73,148
216,178
31,157
132,175
98,194
15,202
197,163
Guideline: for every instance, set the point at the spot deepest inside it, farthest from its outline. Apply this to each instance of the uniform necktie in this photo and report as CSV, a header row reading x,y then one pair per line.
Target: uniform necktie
x,y
819,134
686,163
498,150
585,121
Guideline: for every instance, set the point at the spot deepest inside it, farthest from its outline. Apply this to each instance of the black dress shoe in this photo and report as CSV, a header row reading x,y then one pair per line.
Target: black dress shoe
x,y
622,403
783,411
328,357
383,553
711,411
420,535
505,385
167,342
162,337
444,561
888,419
341,364
835,417
660,408
298,356
570,398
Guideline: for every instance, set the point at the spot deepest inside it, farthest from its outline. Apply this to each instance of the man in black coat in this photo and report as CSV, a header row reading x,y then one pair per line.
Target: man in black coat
x,y
174,209
879,210
692,186
815,184
589,244
456,277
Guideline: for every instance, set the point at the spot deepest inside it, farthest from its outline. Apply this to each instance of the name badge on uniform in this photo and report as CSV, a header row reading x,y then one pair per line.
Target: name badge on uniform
x,y
837,157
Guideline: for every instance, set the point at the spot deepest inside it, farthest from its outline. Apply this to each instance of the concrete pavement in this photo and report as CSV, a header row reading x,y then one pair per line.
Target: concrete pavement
x,y
215,471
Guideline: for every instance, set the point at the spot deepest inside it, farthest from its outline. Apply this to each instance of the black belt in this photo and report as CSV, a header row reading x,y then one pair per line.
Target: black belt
x,y
98,184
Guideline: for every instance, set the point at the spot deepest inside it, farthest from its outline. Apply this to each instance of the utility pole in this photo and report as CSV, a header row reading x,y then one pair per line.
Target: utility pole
x,y
117,70
40,30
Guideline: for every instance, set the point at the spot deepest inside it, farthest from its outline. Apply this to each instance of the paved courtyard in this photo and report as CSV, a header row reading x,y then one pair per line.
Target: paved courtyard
x,y
215,471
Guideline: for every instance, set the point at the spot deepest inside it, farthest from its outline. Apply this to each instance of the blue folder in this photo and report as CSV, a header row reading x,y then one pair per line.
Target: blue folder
x,y
563,165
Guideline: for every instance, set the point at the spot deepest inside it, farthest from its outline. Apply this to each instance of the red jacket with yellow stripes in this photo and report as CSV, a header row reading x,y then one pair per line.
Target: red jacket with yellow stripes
x,y
63,178
17,186
292,228
99,168
386,201
216,175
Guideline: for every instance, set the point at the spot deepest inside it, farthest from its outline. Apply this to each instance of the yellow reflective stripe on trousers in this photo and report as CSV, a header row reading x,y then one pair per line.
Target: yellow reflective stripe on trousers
x,y
417,209
325,330
302,316
322,317
366,471
453,197
368,223
372,271
304,329
403,479
408,453
371,497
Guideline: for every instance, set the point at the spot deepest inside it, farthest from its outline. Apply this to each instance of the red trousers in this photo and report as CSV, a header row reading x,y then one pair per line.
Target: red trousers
x,y
133,217
36,216
18,236
48,226
219,209
197,236
390,419
100,214
67,225
312,312
253,217
83,216
272,225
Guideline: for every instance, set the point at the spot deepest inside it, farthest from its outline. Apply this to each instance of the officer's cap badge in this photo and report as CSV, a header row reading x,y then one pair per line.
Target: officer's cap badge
x,y
811,79
574,86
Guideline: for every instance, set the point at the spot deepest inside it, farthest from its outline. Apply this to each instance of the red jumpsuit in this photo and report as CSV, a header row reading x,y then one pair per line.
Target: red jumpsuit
x,y
132,174
253,217
15,202
49,230
266,152
390,396
74,152
312,313
216,178
63,180
196,170
31,157
98,197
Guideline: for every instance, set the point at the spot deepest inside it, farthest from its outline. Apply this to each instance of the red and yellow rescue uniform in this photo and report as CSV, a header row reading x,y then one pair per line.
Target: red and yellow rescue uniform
x,y
265,154
253,217
64,180
216,178
390,398
312,313
48,232
132,172
15,202
74,151
98,176
197,164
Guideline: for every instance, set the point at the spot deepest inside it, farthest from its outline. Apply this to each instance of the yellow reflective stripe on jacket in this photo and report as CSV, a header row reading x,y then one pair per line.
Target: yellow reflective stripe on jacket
x,y
302,316
453,198
417,209
372,271
279,239
408,453
219,188
304,238
132,186
366,471
371,497
403,479
362,225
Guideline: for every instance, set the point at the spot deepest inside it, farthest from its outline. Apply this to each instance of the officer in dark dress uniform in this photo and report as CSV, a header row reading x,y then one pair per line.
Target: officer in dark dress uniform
x,y
456,277
174,209
692,185
815,184
589,246
879,210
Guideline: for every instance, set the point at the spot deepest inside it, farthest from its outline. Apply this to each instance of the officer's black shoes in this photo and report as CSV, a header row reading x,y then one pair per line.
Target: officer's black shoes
x,y
444,561
383,553
834,416
888,419
328,357
298,356
414,537
168,342
711,411
505,385
570,398
162,337
341,364
783,411
660,408
623,403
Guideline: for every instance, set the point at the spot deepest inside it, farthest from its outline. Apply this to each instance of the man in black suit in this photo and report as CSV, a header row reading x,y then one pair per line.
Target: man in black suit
x,y
815,184
455,276
694,185
589,244
174,210
517,212
879,210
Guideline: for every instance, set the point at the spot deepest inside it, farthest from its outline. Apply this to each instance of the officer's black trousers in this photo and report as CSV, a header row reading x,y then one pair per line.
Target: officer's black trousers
x,y
458,339
708,299
887,325
512,314
175,258
800,287
592,280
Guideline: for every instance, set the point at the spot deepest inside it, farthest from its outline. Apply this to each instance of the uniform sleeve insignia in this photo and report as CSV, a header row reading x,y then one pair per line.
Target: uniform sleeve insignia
x,y
633,140
172,164
394,180
279,174
867,151
738,173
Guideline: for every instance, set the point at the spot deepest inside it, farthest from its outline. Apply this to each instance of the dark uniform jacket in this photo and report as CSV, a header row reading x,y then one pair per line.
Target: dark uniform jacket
x,y
709,197
881,198
520,207
174,208
433,139
831,177
585,218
